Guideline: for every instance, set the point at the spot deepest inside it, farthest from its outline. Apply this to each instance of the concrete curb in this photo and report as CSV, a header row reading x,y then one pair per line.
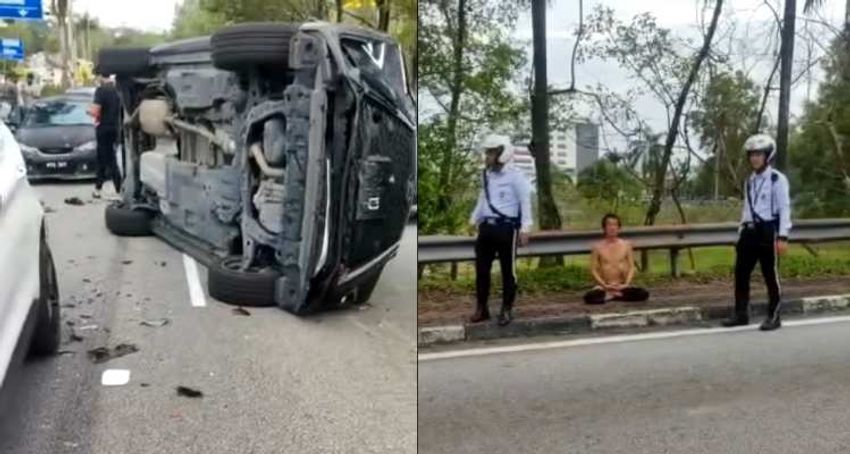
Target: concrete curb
x,y
576,324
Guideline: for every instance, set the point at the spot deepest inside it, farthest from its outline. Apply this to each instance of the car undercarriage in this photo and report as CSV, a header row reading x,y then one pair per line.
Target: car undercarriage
x,y
281,156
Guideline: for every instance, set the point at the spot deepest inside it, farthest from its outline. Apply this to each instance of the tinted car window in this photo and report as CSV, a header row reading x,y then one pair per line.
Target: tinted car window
x,y
57,113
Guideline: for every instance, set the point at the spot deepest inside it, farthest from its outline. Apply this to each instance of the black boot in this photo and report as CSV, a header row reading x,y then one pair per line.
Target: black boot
x,y
736,320
505,317
480,315
771,324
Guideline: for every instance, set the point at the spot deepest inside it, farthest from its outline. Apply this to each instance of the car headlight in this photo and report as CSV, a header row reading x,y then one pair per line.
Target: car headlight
x,y
27,150
88,146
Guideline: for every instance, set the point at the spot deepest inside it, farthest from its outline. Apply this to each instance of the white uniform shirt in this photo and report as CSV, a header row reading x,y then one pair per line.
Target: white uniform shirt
x,y
510,193
770,199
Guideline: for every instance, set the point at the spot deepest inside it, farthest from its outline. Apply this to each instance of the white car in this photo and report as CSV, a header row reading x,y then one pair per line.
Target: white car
x,y
29,294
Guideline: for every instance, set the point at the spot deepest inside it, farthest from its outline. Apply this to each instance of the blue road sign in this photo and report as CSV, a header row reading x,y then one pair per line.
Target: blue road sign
x,y
21,9
11,49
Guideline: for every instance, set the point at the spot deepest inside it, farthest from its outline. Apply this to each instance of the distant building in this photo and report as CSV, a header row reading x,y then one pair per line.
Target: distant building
x,y
571,150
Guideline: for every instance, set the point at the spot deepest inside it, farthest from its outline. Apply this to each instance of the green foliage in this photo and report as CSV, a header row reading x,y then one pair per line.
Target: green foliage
x,y
820,150
726,117
235,11
191,19
483,87
432,142
607,182
35,35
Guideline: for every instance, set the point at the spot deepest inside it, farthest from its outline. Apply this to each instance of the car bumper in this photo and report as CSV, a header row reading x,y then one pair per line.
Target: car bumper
x,y
75,165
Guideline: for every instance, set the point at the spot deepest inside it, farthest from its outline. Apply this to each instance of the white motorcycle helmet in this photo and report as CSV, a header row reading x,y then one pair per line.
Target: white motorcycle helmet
x,y
761,142
496,141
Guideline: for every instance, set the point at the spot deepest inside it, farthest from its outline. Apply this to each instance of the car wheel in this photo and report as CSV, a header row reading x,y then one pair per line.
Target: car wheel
x,y
129,61
122,221
238,47
253,287
48,328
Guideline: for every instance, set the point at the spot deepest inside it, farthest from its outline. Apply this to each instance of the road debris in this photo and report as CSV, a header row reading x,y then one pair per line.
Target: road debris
x,y
69,322
74,201
85,316
144,385
76,337
115,377
189,392
69,305
126,262
241,311
66,352
87,280
88,327
155,323
104,354
48,209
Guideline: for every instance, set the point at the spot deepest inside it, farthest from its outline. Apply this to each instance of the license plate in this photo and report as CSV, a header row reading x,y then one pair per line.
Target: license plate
x,y
56,165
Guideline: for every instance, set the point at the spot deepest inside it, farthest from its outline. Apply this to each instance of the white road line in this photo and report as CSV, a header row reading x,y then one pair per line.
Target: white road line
x,y
618,339
196,293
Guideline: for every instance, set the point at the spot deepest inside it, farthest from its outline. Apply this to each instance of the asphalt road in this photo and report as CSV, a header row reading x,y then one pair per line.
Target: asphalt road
x,y
726,392
342,382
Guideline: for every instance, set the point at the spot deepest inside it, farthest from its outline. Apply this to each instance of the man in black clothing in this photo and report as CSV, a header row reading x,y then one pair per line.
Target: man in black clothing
x,y
106,111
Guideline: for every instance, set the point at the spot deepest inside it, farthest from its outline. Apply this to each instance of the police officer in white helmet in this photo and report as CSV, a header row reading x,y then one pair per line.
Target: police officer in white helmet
x,y
765,225
503,217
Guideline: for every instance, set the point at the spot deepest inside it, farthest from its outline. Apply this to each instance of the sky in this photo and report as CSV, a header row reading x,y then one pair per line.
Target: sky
x,y
147,15
752,52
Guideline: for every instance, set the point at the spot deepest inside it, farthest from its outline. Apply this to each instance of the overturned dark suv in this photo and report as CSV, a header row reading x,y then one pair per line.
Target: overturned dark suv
x,y
281,156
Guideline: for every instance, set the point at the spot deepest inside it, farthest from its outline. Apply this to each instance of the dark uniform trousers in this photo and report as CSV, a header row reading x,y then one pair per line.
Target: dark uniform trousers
x,y
106,162
757,243
495,238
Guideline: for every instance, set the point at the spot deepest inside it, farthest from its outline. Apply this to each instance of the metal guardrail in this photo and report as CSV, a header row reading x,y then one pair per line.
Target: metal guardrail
x,y
453,249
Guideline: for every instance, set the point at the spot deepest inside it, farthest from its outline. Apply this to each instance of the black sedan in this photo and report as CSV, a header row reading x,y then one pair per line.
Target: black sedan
x,y
57,139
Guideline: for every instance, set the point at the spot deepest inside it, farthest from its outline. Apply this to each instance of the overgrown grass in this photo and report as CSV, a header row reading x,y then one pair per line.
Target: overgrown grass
x,y
587,214
711,264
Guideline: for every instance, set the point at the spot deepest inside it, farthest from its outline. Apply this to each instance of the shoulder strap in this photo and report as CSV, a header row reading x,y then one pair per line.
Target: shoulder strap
x,y
774,177
750,199
487,196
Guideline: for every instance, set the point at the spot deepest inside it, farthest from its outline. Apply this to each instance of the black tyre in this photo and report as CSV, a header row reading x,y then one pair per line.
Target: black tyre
x,y
48,329
131,61
238,47
253,287
122,221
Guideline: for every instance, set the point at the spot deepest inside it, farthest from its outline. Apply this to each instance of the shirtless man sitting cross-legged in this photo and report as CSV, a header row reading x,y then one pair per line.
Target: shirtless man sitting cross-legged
x,y
613,267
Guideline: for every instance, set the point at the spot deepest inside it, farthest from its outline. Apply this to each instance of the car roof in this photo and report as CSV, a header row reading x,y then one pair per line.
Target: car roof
x,y
62,98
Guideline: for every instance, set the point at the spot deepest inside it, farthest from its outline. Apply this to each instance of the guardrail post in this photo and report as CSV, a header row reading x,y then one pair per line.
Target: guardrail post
x,y
454,271
419,271
674,262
